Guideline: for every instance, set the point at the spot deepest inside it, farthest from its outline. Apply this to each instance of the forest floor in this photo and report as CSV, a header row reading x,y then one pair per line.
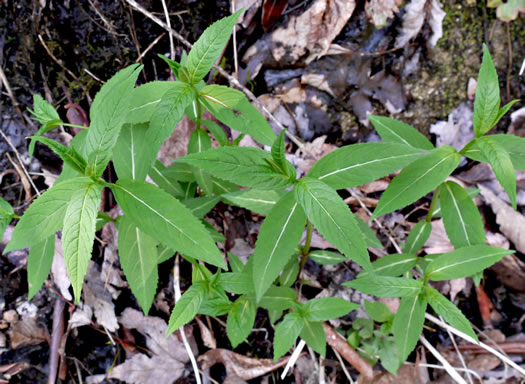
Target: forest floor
x,y
319,66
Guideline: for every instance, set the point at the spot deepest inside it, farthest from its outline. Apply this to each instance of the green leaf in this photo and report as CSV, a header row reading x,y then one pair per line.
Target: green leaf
x,y
45,216
464,262
417,237
313,334
109,110
386,286
327,308
145,99
133,151
408,324
139,259
392,265
487,100
370,237
208,48
290,272
46,115
360,164
217,132
236,265
377,311
461,216
221,187
79,233
279,153
387,351
165,219
97,162
322,256
452,315
277,240
216,304
255,200
188,306
68,154
164,253
174,66
513,146
240,320
239,283
245,166
68,172
233,109
502,111
332,218
396,131
200,206
418,179
6,215
278,298
200,142
166,178
39,262
501,163
286,333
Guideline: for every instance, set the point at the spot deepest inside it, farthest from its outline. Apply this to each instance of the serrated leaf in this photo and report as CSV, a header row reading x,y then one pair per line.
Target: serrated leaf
x,y
46,115
68,172
188,306
233,109
360,164
392,265
286,333
217,132
200,206
97,162
501,163
464,262
417,237
166,219
277,240
452,315
392,130
164,253
290,272
314,336
502,111
255,200
138,258
109,110
79,234
513,145
408,324
133,151
487,100
174,66
418,179
239,283
370,237
68,154
6,215
377,311
322,256
386,286
279,153
45,216
216,303
278,298
240,320
209,47
200,142
221,187
165,179
333,219
461,216
144,100
236,265
39,262
327,308
245,166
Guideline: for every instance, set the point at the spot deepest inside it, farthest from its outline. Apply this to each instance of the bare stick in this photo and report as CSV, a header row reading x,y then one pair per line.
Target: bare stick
x,y
59,62
153,43
449,368
3,80
460,356
56,338
235,61
168,23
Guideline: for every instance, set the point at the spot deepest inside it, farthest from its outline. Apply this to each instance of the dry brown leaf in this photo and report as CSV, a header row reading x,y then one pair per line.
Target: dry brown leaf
x,y
142,369
457,131
59,271
26,332
98,296
238,365
207,338
416,12
438,241
407,374
379,11
176,145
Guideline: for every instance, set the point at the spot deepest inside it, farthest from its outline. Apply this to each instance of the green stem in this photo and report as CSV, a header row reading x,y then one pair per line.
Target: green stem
x,y
74,126
308,241
16,217
433,205
199,110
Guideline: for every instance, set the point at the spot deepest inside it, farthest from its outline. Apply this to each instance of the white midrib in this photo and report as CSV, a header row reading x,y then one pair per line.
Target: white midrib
x,y
255,200
157,213
415,181
132,154
391,265
272,253
366,163
461,220
463,262
140,259
395,134
162,176
410,317
418,236
145,105
206,52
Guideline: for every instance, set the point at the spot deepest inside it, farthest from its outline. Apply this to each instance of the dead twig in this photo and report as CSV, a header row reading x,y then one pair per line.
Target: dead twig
x,y
168,24
56,338
153,43
339,344
58,61
3,80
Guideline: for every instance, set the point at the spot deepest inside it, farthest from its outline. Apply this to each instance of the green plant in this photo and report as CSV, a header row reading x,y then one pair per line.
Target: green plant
x,y
128,126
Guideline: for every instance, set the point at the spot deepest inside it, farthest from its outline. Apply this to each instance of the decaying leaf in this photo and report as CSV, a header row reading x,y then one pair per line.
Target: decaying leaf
x,y
438,241
244,367
59,272
141,369
207,337
97,295
379,11
457,131
26,332
405,374
416,12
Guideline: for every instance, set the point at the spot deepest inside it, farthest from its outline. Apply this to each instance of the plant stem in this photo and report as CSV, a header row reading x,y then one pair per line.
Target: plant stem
x,y
74,126
308,241
433,205
199,110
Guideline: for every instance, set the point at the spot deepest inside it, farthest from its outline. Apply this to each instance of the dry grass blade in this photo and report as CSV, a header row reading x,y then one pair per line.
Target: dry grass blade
x,y
449,368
